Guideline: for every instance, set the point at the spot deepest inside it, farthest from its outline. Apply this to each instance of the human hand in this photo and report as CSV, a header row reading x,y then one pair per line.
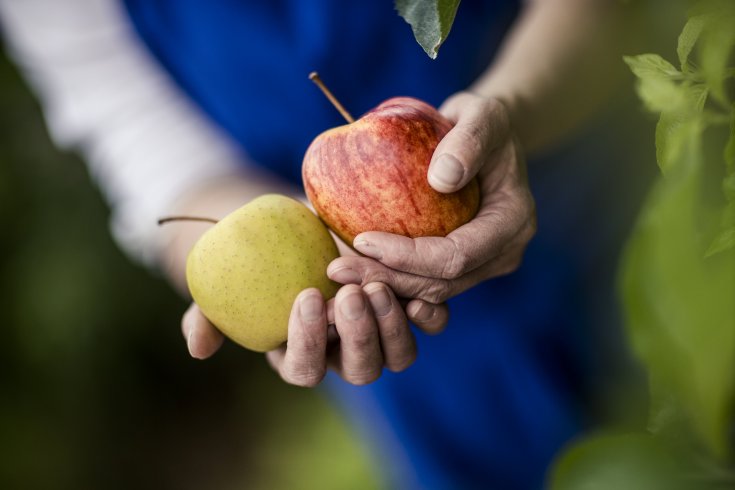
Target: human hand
x,y
434,269
370,332
357,334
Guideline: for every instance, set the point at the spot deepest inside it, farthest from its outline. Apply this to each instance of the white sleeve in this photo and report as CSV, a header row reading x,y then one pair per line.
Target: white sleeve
x,y
103,94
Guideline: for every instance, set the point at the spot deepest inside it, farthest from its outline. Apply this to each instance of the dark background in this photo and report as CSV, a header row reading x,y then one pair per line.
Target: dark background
x,y
96,387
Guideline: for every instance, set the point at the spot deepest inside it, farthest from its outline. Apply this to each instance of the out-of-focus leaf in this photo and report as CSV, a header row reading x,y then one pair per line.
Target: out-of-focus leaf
x,y
716,43
725,241
660,94
657,83
675,132
680,127
651,66
627,461
430,21
688,38
679,306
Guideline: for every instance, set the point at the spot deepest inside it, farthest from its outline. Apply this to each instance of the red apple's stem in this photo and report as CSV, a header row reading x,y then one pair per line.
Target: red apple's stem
x,y
169,219
314,77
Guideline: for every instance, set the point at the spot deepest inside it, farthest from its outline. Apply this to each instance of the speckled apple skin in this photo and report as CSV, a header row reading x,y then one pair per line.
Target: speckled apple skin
x,y
246,271
371,175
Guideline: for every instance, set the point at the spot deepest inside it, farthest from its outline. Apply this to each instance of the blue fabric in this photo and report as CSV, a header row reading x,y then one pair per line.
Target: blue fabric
x,y
489,401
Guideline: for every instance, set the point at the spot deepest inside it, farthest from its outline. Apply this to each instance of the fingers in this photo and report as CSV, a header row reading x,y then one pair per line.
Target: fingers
x,y
434,257
430,318
396,340
360,359
363,270
482,125
303,361
506,221
202,338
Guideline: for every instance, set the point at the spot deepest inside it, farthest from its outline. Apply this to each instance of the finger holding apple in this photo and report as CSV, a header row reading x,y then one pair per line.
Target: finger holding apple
x,y
371,334
254,264
481,145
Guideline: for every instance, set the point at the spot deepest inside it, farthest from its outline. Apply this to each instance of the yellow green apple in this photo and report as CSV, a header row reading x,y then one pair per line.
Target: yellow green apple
x,y
246,271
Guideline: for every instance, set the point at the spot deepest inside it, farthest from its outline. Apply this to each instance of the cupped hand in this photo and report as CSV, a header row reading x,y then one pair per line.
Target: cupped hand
x,y
483,144
357,334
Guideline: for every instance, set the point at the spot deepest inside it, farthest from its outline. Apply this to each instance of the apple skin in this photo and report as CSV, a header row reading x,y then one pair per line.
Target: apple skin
x,y
371,175
246,271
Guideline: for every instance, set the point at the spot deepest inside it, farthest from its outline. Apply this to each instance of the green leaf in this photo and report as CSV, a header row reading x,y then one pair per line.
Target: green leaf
x,y
680,127
688,38
674,132
716,43
660,94
430,21
651,66
679,308
611,461
726,239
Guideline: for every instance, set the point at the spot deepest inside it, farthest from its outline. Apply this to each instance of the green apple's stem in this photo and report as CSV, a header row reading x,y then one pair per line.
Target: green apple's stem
x,y
314,77
168,219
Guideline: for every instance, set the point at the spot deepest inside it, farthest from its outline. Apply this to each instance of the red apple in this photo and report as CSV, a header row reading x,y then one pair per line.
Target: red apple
x,y
371,174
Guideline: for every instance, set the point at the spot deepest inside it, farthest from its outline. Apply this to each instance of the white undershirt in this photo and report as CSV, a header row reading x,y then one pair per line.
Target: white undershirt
x,y
103,95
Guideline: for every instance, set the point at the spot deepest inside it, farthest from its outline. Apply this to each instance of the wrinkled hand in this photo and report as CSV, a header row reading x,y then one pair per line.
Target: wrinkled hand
x,y
434,269
357,334
370,332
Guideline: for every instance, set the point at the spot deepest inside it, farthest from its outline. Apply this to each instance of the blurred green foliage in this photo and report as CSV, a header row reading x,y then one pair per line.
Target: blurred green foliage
x,y
678,273
677,276
621,461
97,388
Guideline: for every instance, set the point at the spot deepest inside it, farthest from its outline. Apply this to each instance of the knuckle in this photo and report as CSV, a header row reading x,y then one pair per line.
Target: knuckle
x,y
499,110
311,344
373,271
361,338
456,265
403,362
393,332
438,291
307,377
473,136
460,99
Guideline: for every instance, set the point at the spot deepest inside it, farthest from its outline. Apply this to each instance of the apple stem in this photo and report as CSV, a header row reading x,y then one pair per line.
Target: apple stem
x,y
314,77
169,219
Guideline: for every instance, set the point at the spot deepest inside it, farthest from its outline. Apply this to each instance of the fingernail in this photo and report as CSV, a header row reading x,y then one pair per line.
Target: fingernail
x,y
446,172
345,275
353,306
310,307
380,300
421,311
191,344
365,247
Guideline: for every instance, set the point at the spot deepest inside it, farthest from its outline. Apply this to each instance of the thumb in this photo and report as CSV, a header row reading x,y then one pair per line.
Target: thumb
x,y
481,126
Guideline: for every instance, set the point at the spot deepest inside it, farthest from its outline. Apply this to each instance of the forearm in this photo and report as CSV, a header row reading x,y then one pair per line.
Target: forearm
x,y
557,66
